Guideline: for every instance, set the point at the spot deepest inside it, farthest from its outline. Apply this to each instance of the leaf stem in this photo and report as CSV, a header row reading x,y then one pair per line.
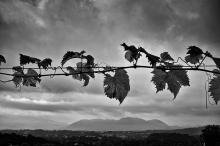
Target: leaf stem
x,y
117,68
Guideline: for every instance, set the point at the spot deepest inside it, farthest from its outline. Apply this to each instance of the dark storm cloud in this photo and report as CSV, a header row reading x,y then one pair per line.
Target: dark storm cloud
x,y
201,20
102,25
79,13
166,20
32,2
53,29
140,18
48,28
18,25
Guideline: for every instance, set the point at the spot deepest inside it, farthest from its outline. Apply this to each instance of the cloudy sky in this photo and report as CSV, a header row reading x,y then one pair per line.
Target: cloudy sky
x,y
49,28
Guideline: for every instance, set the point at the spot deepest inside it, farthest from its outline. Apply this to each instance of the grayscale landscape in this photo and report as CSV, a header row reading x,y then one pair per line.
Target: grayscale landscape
x,y
109,72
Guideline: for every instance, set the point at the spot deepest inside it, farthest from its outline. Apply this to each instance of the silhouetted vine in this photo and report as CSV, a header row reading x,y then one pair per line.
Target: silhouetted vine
x,y
166,71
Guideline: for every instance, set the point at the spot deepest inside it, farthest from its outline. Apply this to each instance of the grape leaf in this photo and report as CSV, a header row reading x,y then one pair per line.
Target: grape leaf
x,y
90,60
74,73
194,51
193,60
195,54
83,67
31,78
17,79
45,63
173,85
132,48
159,79
70,54
165,56
117,86
108,68
132,53
214,88
24,59
18,75
17,68
82,72
217,61
128,56
217,72
86,78
174,79
180,75
208,54
152,59
2,59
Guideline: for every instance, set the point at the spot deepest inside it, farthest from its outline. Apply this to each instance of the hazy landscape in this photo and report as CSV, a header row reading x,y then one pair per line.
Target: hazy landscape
x,y
125,132
109,72
184,137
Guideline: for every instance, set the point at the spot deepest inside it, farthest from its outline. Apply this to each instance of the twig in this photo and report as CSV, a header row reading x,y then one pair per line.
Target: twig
x,y
117,68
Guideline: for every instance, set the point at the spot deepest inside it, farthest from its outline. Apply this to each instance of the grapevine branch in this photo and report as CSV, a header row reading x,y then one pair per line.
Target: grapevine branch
x,y
166,71
109,70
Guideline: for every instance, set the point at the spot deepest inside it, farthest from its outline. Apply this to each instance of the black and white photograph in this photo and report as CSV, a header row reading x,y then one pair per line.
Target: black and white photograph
x,y
109,73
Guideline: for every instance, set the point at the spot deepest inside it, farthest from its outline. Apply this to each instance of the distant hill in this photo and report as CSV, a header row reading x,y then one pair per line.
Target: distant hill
x,y
124,124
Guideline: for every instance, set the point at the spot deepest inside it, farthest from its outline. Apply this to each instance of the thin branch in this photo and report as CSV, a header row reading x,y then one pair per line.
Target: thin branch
x,y
94,67
117,68
52,68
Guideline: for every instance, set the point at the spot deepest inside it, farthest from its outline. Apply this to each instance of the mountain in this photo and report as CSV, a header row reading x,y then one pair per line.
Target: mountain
x,y
124,124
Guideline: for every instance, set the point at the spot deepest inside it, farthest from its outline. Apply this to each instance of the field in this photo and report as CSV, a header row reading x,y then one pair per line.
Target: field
x,y
182,137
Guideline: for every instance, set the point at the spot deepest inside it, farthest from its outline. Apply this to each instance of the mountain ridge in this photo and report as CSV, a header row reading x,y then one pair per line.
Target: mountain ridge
x,y
123,124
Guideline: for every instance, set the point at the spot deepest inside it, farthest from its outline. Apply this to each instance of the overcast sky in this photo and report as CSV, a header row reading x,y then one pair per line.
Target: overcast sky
x,y
49,28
